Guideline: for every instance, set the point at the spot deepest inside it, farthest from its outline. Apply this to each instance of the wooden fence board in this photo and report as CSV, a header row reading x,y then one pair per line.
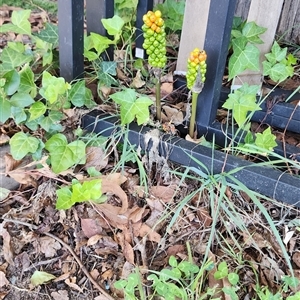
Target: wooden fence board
x,y
289,26
193,31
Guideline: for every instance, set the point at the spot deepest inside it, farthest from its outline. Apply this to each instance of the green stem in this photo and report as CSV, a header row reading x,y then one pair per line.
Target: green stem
x,y
158,103
193,114
157,73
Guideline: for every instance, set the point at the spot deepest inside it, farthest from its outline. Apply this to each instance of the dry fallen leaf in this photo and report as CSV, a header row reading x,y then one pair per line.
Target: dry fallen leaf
x,y
6,249
3,280
173,114
111,184
49,246
296,258
90,227
137,81
164,193
126,248
95,157
60,295
71,282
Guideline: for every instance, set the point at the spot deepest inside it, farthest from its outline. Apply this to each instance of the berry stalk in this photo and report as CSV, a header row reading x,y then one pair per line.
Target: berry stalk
x,y
195,81
155,46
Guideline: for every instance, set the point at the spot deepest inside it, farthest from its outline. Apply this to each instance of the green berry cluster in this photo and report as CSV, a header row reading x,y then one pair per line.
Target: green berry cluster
x,y
196,61
155,38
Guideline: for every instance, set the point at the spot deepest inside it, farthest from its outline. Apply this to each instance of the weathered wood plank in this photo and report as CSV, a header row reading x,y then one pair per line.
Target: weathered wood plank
x,y
289,24
193,31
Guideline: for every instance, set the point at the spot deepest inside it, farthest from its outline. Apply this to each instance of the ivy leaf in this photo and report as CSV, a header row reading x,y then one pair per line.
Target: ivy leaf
x,y
17,46
109,67
40,277
19,23
89,190
5,111
277,54
49,34
12,82
243,58
21,144
88,98
113,25
36,110
64,200
241,102
174,10
132,107
52,87
18,114
107,70
50,122
279,72
4,193
88,45
266,140
252,32
21,99
27,84
77,93
64,155
100,43
11,59
121,4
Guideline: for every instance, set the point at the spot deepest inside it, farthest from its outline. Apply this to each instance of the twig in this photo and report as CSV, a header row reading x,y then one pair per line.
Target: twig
x,y
82,267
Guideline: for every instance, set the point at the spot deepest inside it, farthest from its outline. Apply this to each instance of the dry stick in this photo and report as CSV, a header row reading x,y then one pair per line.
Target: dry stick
x,y
83,268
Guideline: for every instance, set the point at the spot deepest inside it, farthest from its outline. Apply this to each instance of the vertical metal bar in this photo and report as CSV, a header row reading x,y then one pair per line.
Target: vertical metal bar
x,y
70,31
95,11
142,8
217,38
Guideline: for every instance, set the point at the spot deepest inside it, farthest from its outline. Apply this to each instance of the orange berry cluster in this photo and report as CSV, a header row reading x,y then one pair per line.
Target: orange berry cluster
x,y
155,38
196,62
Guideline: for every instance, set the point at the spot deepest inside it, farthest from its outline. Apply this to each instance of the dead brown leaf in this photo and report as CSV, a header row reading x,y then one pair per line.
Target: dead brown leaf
x,y
146,231
173,115
204,217
71,282
4,139
111,184
296,258
6,249
90,227
60,295
3,280
95,157
137,81
49,246
164,193
126,248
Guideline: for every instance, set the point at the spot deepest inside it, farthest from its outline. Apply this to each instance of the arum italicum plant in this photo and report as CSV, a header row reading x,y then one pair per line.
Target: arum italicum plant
x,y
155,46
195,81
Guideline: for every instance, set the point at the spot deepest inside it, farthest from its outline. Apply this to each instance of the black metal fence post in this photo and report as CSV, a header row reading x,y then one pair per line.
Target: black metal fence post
x,y
95,11
217,38
70,30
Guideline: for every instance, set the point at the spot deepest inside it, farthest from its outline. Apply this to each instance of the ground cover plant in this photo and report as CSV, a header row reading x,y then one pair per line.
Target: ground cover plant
x,y
96,217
